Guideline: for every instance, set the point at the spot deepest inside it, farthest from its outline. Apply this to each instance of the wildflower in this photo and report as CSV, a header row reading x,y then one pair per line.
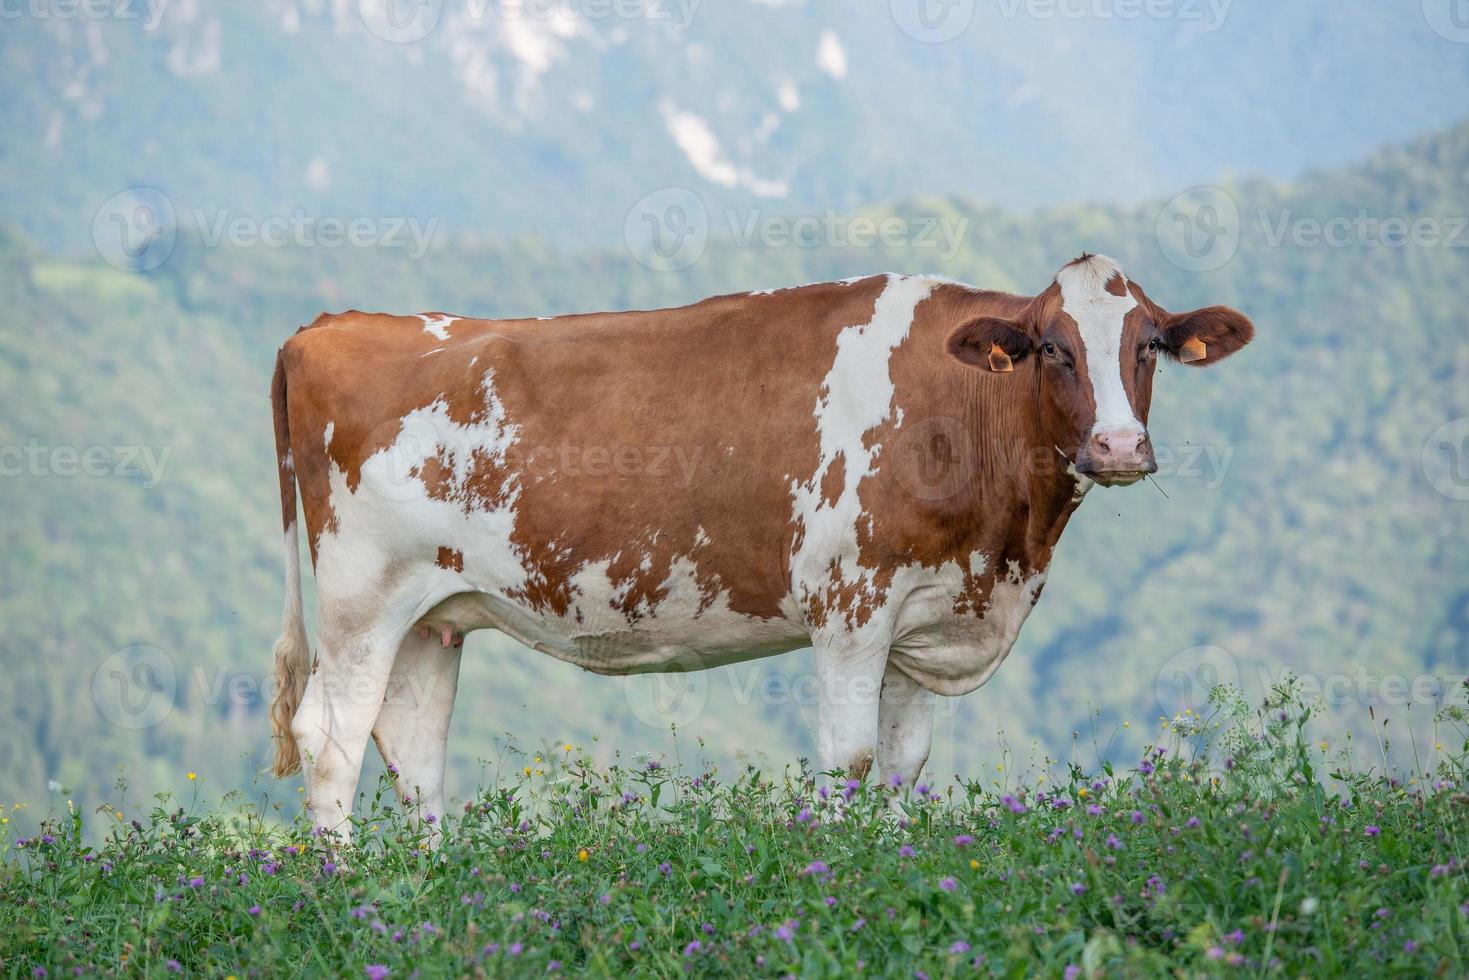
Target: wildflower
x,y
1093,810
1192,822
665,869
1410,946
193,776
692,948
1081,792
1113,843
196,882
963,840
948,884
973,864
553,967
1137,816
1071,972
815,868
253,911
804,816
959,946
906,851
1012,804
1215,953
582,855
1078,889
375,971
1372,830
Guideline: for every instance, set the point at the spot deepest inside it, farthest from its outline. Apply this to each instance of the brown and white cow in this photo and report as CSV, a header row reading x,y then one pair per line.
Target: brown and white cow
x,y
878,469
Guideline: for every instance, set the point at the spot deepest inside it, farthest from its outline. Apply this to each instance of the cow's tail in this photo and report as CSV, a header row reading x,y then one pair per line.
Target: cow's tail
x,y
292,650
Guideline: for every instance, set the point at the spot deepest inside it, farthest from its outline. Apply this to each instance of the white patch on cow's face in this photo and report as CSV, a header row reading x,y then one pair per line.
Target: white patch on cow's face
x,y
1099,316
437,325
856,396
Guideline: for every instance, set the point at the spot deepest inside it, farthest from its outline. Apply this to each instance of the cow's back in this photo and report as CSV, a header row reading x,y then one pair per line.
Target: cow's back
x,y
638,461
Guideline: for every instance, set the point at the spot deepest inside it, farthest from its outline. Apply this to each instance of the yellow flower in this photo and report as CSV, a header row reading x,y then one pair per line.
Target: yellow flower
x,y
527,770
1081,792
192,777
566,747
583,854
973,865
999,768
1127,724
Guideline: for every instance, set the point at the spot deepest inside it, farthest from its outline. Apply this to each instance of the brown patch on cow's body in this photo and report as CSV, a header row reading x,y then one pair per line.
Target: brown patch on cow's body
x,y
451,559
1117,285
834,480
578,387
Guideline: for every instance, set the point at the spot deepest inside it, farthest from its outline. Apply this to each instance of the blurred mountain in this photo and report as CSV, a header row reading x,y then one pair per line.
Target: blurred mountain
x,y
557,116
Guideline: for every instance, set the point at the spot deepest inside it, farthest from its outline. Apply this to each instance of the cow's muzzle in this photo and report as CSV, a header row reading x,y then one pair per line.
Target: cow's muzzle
x,y
1116,457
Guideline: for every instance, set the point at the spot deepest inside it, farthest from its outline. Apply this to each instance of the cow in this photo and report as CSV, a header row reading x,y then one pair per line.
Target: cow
x,y
877,468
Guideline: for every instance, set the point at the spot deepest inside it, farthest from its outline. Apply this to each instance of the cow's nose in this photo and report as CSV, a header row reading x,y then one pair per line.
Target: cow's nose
x,y
1117,456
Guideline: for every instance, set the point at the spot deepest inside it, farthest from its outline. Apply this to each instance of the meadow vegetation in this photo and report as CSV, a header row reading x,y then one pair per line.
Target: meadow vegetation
x,y
1233,845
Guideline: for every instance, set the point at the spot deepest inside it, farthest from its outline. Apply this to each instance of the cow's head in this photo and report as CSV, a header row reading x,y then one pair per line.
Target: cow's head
x,y
1090,343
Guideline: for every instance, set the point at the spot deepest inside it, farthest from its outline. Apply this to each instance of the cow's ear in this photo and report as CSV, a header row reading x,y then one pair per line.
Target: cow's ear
x,y
991,342
1205,336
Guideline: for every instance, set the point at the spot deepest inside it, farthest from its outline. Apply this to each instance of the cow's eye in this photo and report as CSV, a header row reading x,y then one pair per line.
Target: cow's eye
x,y
1152,348
1049,349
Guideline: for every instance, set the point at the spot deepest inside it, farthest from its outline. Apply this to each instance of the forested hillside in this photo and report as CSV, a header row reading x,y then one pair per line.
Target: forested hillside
x,y
1299,528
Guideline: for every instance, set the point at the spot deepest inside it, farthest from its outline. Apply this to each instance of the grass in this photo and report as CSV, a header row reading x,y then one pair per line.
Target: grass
x,y
1224,850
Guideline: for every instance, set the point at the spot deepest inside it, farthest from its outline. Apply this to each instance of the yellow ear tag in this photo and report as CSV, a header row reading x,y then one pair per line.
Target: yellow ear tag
x,y
1193,349
999,360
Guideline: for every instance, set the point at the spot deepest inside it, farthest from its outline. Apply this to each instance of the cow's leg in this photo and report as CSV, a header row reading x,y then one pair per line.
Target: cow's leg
x,y
412,729
849,683
342,700
905,722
